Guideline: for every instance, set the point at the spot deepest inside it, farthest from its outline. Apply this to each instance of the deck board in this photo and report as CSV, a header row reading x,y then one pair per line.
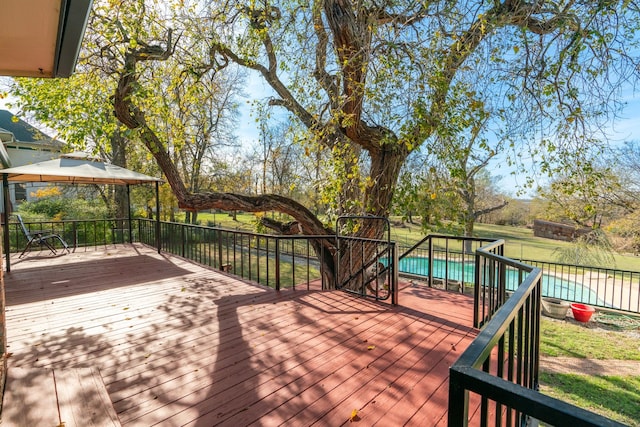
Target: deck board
x,y
53,397
30,398
178,344
83,399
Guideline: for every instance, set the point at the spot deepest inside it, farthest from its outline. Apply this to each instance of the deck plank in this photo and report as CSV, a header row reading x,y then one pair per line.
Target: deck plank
x,y
30,398
83,399
177,343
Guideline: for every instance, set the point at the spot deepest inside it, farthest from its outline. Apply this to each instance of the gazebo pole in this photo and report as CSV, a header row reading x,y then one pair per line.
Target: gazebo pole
x,y
5,195
129,210
158,215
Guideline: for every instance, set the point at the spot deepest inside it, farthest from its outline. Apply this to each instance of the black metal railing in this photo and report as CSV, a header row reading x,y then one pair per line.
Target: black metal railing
x,y
596,286
449,262
274,261
499,370
369,267
76,233
490,283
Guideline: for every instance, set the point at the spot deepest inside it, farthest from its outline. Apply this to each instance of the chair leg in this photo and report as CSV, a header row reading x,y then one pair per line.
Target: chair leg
x,y
49,245
26,247
64,244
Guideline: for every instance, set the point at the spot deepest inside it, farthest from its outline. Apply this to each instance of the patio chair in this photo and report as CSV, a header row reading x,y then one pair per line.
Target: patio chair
x,y
40,237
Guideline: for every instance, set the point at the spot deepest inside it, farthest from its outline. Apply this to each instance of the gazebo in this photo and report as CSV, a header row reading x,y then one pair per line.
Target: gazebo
x,y
74,168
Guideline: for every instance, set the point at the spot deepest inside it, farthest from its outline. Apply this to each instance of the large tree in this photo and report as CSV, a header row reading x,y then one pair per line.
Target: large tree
x,y
372,81
195,109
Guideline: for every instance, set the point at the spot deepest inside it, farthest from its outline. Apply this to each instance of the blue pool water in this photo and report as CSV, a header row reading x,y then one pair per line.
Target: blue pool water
x,y
552,286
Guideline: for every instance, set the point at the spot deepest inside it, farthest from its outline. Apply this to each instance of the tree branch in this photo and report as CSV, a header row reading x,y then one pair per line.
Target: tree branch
x,y
132,117
287,100
286,228
481,212
307,221
328,82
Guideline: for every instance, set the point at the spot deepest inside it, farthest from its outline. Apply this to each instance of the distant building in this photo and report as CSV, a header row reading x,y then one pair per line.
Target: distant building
x,y
23,144
558,231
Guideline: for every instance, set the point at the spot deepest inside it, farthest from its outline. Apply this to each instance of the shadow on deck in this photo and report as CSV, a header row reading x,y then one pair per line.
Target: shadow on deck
x,y
180,344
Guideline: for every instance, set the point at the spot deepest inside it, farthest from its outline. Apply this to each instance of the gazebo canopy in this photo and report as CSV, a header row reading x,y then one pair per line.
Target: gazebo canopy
x,y
76,168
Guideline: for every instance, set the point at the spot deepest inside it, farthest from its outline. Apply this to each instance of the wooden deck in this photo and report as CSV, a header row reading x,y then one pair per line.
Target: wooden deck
x,y
179,344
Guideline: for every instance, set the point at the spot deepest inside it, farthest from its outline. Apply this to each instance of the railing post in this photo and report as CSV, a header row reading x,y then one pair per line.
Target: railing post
x,y
183,240
129,212
74,230
5,237
219,235
458,413
430,263
277,263
502,283
395,274
476,292
158,230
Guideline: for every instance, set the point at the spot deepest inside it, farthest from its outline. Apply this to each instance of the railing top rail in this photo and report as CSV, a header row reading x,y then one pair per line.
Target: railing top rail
x,y
507,261
414,246
465,238
535,404
492,245
276,236
444,236
245,232
49,221
585,267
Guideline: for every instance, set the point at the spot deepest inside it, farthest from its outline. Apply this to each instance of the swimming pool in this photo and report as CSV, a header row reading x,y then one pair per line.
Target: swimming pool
x,y
552,286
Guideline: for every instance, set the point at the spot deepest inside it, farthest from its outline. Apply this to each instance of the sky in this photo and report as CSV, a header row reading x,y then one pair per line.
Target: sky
x,y
626,128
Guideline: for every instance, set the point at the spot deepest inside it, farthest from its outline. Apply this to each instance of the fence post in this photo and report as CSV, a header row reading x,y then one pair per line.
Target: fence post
x,y
5,234
476,292
183,240
218,234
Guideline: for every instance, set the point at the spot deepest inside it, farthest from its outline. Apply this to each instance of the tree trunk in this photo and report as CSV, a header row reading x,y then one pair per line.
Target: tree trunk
x,y
385,169
119,158
387,158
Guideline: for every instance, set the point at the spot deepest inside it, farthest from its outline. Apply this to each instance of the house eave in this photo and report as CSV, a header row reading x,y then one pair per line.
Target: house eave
x,y
41,38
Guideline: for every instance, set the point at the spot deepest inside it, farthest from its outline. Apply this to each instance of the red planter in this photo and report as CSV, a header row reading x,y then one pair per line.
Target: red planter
x,y
582,312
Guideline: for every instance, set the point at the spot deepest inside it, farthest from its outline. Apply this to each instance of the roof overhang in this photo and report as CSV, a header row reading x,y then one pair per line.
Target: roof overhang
x,y
41,38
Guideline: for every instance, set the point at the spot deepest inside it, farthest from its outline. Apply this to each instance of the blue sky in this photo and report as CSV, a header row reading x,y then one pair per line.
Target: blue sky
x,y
625,128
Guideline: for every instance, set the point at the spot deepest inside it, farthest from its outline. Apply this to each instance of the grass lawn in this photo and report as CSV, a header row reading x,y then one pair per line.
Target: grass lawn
x,y
520,243
614,397
561,338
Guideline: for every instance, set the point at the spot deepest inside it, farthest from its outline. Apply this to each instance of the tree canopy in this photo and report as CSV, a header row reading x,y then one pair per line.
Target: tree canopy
x,y
373,81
